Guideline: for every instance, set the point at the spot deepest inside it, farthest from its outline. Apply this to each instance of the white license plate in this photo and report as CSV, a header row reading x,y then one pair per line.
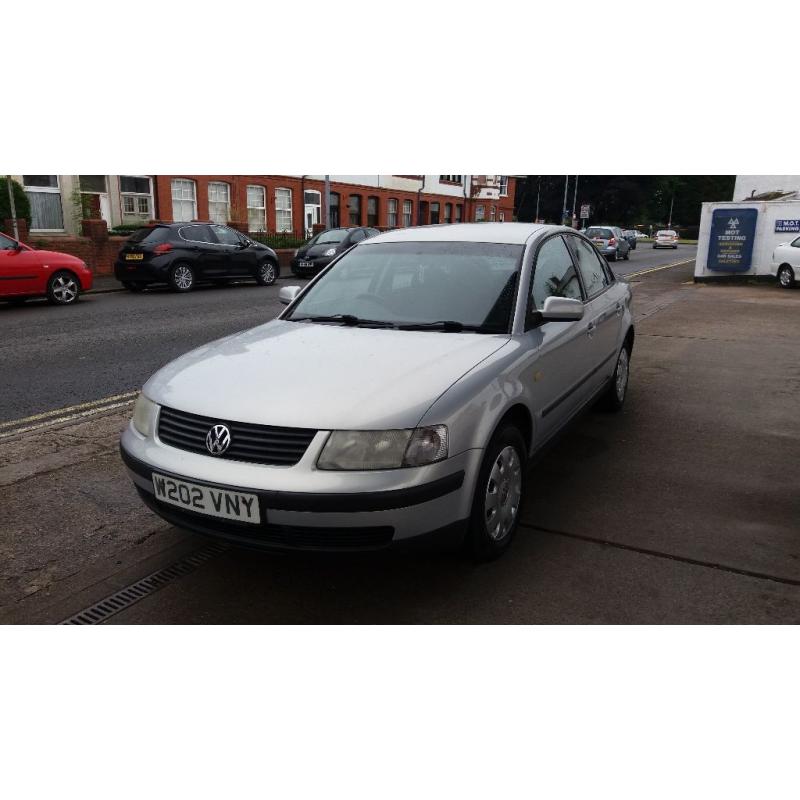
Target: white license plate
x,y
222,503
305,264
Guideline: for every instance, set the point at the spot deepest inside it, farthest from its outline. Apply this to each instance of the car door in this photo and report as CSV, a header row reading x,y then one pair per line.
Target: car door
x,y
235,259
604,310
557,360
201,249
20,269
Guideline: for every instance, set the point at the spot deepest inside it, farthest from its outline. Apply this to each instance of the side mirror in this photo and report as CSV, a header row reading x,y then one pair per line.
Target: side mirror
x,y
562,309
287,294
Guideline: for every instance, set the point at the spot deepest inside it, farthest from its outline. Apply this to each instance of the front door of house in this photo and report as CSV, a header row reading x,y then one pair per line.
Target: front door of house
x,y
313,210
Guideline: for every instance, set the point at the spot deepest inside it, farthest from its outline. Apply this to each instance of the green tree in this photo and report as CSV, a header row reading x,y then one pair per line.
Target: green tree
x,y
21,202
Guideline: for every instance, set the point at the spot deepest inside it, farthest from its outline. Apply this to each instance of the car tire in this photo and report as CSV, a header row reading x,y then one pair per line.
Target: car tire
x,y
499,492
785,277
181,278
63,288
267,274
627,256
134,286
655,247
614,397
613,258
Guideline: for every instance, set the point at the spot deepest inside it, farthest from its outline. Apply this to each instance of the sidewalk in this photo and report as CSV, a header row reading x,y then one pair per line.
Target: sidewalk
x,y
105,283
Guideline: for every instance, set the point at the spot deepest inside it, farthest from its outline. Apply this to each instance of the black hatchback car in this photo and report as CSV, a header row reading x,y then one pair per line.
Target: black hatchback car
x,y
183,254
325,246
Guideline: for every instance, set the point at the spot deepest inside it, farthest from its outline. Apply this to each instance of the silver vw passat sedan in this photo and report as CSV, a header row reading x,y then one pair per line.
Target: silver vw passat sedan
x,y
396,400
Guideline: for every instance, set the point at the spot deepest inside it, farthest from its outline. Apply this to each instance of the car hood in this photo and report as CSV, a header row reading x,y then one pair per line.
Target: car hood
x,y
318,249
322,376
60,258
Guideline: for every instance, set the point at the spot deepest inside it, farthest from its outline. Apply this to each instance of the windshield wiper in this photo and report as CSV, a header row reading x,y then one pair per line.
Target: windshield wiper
x,y
346,319
450,326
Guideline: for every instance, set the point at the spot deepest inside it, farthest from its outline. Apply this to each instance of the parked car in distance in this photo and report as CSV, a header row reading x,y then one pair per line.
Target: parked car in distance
x,y
641,235
396,400
786,263
183,254
610,241
320,250
26,272
666,239
630,238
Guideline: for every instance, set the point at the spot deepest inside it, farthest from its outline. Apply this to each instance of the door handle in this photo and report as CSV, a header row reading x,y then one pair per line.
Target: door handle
x,y
590,328
619,309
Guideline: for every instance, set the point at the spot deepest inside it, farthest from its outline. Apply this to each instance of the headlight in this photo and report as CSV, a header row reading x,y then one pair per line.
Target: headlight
x,y
144,415
296,252
331,252
358,450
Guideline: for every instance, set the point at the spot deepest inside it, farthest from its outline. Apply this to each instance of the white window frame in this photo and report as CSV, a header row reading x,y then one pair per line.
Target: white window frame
x,y
408,215
503,185
262,209
480,213
137,197
184,182
280,212
48,190
492,213
215,204
459,179
391,214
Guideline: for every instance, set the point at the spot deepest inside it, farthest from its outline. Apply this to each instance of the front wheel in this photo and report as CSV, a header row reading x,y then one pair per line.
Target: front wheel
x,y
786,277
627,256
498,495
181,278
63,289
614,397
267,274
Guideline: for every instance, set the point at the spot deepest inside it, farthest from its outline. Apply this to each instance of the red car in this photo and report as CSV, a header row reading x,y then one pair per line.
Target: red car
x,y
25,272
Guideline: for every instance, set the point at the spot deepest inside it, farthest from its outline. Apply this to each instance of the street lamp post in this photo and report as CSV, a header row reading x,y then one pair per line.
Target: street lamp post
x,y
327,202
538,192
566,187
574,198
13,207
671,204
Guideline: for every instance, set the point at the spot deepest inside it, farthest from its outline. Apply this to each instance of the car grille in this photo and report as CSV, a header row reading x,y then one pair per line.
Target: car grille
x,y
258,444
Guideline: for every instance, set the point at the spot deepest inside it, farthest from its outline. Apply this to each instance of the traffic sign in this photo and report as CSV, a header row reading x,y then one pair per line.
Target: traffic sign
x,y
585,212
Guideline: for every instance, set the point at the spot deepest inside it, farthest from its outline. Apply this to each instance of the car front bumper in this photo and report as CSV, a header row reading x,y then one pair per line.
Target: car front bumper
x,y
318,264
304,508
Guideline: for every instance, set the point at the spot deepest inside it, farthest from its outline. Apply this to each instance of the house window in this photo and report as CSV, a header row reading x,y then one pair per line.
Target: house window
x,y
502,216
503,185
407,213
256,209
450,178
219,202
44,195
372,211
354,209
283,210
334,210
480,213
136,195
434,213
391,213
184,200
459,212
448,213
492,213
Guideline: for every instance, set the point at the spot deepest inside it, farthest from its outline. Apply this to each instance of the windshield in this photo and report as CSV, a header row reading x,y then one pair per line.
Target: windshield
x,y
600,233
329,237
151,235
419,283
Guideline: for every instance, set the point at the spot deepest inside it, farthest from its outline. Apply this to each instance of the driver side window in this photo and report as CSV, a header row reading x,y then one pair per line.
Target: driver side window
x,y
554,273
6,243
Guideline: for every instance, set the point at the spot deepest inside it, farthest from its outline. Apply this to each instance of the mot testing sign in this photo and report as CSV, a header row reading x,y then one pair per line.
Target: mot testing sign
x,y
787,226
584,212
732,233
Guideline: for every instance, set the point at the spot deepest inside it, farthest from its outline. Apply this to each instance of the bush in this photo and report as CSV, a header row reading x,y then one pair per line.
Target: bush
x,y
125,230
278,241
23,205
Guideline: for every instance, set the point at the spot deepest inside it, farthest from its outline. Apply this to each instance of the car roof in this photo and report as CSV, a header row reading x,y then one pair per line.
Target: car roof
x,y
493,232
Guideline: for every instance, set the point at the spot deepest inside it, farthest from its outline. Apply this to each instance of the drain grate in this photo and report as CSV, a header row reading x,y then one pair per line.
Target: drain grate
x,y
125,598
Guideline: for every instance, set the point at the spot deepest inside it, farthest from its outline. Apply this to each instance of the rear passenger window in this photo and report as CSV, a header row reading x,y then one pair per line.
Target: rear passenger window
x,y
554,274
197,233
226,235
594,276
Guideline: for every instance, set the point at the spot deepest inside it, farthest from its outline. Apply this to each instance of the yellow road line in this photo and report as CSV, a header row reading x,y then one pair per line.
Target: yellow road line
x,y
60,412
656,269
68,418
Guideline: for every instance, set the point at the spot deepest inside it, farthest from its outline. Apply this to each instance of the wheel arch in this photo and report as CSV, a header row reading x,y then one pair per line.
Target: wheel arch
x,y
518,415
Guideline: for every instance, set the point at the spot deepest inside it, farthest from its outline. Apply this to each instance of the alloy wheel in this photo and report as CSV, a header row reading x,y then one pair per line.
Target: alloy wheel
x,y
183,277
785,278
621,384
503,493
65,289
266,272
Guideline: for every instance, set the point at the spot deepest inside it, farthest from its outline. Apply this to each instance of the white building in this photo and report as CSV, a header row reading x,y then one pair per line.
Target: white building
x,y
741,244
